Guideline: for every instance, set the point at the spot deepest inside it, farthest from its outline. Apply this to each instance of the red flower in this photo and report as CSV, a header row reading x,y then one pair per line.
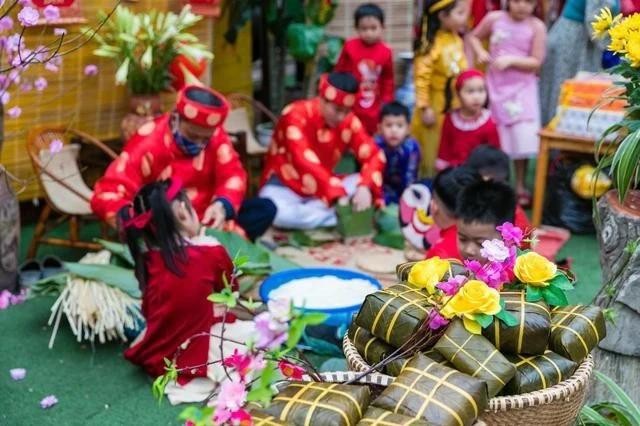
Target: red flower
x,y
291,371
240,362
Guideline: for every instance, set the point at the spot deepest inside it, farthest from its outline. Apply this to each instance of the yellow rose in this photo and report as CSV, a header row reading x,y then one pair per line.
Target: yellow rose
x,y
535,270
603,22
633,49
475,297
427,273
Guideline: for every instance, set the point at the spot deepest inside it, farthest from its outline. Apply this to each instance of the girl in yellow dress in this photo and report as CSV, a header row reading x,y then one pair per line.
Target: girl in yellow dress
x,y
439,59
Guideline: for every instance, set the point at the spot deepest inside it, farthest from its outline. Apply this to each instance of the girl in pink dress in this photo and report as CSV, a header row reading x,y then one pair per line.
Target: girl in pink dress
x,y
516,52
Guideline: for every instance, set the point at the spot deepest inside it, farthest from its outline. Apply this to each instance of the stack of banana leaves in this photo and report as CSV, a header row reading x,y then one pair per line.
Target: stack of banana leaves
x,y
100,297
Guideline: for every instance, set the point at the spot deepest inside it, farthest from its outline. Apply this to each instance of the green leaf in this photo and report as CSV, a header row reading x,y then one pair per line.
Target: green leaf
x,y
303,41
554,296
322,347
622,396
561,281
118,249
507,318
313,318
112,275
225,297
250,304
484,320
619,412
591,416
533,294
122,72
295,333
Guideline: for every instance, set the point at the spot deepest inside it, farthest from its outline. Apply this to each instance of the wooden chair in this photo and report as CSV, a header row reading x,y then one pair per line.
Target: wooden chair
x,y
60,178
246,112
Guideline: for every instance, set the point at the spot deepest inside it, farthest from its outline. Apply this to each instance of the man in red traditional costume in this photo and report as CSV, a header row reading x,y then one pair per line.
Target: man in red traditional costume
x,y
308,142
189,143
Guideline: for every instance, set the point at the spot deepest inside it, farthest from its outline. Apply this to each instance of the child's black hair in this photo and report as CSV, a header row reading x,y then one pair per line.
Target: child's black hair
x,y
366,10
344,81
430,26
449,182
487,202
490,162
162,231
395,109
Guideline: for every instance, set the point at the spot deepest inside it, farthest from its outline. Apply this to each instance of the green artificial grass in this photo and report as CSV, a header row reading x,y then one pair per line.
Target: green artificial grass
x,y
93,386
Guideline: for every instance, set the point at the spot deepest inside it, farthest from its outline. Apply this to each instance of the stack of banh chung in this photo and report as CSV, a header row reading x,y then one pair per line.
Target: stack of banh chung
x,y
447,379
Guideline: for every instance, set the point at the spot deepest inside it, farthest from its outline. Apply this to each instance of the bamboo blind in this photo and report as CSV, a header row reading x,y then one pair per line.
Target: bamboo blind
x,y
399,19
91,104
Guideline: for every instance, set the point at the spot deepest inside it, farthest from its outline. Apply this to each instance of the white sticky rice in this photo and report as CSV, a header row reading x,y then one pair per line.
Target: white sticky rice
x,y
327,292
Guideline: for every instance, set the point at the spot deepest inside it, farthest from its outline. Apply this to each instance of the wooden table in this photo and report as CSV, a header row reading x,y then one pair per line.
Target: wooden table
x,y
551,140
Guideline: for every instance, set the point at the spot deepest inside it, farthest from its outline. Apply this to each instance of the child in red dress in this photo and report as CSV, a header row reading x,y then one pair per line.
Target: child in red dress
x,y
370,60
178,268
470,125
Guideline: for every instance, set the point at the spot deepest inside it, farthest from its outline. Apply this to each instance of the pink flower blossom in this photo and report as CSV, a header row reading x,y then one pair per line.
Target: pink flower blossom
x,y
271,333
5,98
240,417
14,112
6,24
511,234
40,84
290,371
494,250
18,373
436,321
232,396
55,146
51,13
241,363
49,66
26,87
280,309
5,299
48,401
494,274
19,298
90,70
59,32
452,285
28,16
13,43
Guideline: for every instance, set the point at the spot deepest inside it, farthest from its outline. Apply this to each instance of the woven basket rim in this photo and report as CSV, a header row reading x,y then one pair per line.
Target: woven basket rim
x,y
561,391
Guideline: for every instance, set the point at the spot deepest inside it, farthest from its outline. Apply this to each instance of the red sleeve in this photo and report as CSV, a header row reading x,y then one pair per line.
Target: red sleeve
x,y
315,178
344,64
493,138
447,247
141,161
369,156
230,176
446,140
222,266
386,78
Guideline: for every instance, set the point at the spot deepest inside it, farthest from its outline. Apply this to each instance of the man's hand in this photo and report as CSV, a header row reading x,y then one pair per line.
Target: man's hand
x,y
362,199
214,216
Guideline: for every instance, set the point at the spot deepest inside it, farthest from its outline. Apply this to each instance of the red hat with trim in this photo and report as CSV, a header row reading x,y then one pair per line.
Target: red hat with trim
x,y
334,94
466,75
202,106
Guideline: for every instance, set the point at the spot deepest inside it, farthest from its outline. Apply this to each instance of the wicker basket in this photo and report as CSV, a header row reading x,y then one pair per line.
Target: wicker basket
x,y
558,405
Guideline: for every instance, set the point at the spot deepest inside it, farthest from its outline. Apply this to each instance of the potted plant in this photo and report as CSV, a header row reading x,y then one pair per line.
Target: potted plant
x,y
618,211
144,45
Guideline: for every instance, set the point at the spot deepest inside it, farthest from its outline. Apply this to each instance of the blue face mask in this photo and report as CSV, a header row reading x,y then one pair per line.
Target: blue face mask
x,y
187,146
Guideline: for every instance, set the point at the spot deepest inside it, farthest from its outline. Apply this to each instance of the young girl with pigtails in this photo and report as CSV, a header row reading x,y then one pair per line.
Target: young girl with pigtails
x,y
439,59
178,267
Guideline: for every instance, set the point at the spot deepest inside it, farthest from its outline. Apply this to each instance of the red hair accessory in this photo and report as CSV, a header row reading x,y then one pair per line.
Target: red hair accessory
x,y
142,220
467,75
333,94
197,112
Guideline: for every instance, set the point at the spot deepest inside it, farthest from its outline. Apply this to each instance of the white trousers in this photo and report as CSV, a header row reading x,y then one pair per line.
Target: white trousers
x,y
298,212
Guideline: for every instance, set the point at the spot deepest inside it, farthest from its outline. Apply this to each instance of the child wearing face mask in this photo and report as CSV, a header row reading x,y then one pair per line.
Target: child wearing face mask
x,y
439,59
370,60
401,151
469,126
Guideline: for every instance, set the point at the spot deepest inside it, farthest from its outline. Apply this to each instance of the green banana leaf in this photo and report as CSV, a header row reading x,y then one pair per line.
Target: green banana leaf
x,y
112,275
118,249
303,40
261,260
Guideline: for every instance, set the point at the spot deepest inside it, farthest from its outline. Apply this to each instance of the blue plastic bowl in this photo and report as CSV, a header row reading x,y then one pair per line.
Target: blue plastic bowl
x,y
336,317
